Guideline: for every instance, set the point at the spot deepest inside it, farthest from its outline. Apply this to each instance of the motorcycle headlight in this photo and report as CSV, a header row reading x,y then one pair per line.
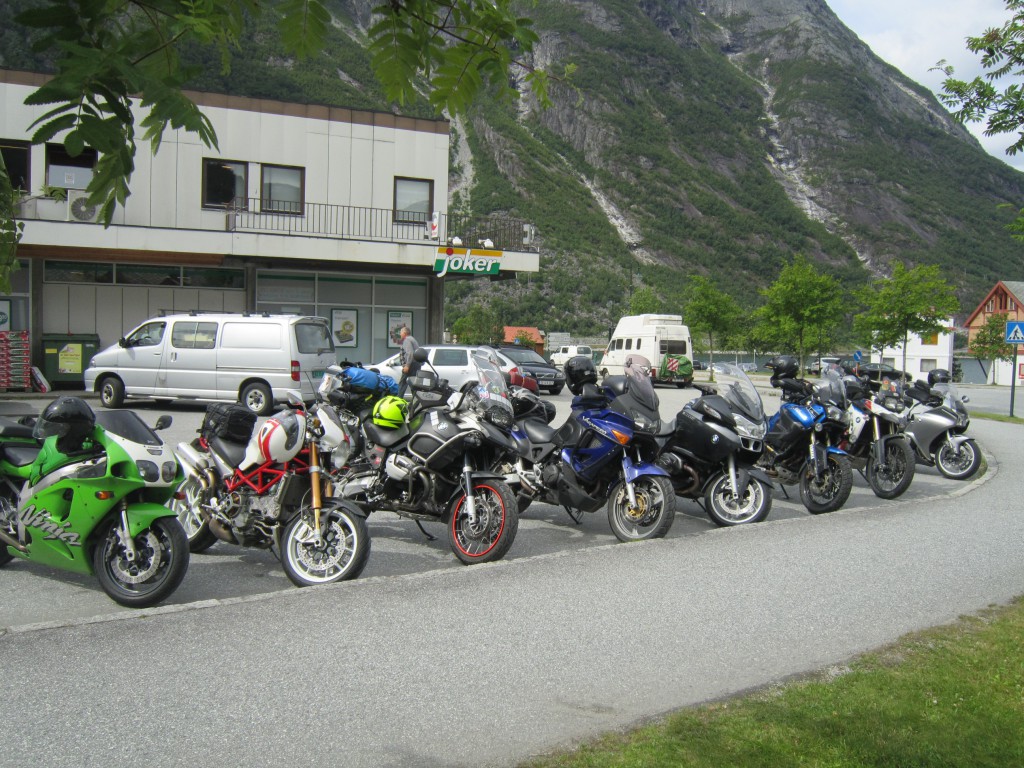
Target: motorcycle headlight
x,y
747,428
499,417
148,471
834,414
645,424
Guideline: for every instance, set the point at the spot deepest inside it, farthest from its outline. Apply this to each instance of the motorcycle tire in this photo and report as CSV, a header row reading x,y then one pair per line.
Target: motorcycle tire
x,y
654,513
161,561
833,490
891,476
5,553
200,537
340,555
958,464
497,520
726,510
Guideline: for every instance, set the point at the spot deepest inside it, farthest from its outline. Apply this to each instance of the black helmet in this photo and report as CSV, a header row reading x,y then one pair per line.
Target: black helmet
x,y
855,386
783,366
579,370
70,419
939,376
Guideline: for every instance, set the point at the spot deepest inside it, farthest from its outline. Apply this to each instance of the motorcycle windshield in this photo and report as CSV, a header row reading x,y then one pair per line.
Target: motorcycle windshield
x,y
950,397
641,385
830,390
739,391
491,391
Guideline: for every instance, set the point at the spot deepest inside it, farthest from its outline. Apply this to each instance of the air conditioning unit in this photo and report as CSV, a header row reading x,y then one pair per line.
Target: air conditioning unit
x,y
79,208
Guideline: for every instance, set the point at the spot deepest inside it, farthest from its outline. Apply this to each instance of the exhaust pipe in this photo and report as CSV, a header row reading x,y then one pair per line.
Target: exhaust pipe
x,y
193,462
12,542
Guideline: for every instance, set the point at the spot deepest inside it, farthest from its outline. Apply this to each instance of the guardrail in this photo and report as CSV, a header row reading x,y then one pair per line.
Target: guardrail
x,y
348,222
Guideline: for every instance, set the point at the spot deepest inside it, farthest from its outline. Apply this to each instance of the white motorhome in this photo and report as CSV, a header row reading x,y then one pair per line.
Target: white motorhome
x,y
253,359
653,337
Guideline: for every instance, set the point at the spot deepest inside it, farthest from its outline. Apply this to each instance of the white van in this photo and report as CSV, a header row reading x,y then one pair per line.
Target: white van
x,y
655,337
561,356
249,358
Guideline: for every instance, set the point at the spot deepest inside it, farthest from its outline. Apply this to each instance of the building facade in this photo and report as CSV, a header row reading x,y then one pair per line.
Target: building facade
x,y
1005,298
301,208
924,353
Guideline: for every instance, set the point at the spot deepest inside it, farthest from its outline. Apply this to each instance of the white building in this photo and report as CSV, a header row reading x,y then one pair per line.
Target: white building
x,y
923,354
302,208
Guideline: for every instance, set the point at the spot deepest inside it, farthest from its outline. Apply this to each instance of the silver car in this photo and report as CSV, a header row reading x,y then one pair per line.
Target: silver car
x,y
451,361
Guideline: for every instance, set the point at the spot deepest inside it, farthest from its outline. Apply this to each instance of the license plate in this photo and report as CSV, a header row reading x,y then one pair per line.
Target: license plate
x,y
546,382
318,374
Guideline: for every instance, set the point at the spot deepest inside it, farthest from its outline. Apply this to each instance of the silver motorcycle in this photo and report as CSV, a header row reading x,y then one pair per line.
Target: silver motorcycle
x,y
936,422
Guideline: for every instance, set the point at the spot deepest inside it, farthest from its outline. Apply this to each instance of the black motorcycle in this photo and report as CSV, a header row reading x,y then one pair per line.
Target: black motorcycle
x,y
712,445
435,465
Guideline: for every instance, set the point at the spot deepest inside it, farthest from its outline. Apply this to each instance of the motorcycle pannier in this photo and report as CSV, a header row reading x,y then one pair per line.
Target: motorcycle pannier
x,y
228,421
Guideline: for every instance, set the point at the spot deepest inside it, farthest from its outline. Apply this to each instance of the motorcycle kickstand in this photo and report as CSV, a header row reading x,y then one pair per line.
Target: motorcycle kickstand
x,y
576,515
430,536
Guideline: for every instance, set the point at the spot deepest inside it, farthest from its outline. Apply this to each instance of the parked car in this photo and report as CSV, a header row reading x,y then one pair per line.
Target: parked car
x,y
215,356
451,361
700,365
874,371
548,376
815,367
561,356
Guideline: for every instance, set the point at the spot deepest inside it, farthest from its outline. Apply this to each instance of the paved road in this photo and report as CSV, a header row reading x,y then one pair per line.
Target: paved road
x,y
423,662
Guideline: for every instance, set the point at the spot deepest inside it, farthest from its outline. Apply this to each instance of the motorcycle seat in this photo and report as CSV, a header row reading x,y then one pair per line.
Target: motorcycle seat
x,y
19,455
385,437
12,429
538,432
230,451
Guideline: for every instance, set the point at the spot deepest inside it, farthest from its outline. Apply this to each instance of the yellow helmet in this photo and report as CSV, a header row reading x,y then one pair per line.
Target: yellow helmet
x,y
390,412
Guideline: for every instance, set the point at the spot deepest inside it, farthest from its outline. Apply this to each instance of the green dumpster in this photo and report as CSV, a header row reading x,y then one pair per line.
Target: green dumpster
x,y
67,355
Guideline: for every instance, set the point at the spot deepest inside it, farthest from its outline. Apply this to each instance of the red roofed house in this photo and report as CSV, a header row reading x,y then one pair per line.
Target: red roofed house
x,y
1007,298
513,332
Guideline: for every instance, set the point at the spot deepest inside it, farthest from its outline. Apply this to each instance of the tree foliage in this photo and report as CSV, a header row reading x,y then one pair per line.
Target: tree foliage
x,y
480,325
10,230
800,306
111,54
914,300
710,312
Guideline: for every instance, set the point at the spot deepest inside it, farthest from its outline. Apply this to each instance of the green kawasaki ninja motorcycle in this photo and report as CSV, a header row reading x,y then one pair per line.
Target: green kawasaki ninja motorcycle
x,y
86,493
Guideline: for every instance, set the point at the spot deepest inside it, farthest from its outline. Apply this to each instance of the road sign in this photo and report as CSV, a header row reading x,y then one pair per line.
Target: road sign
x,y
1015,332
857,355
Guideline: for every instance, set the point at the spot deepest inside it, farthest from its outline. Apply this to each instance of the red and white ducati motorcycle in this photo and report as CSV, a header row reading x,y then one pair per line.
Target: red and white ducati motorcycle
x,y
267,490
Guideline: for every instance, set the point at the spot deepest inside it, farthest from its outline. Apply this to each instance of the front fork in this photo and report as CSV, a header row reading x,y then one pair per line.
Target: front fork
x,y
467,481
125,535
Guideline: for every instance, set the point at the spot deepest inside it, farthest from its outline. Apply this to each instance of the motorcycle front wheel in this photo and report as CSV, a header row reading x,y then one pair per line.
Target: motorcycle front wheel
x,y
340,552
891,474
159,565
489,537
200,537
654,511
958,464
832,491
725,508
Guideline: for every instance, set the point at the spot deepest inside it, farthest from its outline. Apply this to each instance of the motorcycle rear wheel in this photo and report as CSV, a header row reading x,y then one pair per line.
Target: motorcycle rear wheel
x,y
833,490
655,509
958,464
341,554
725,509
200,537
891,476
497,520
159,566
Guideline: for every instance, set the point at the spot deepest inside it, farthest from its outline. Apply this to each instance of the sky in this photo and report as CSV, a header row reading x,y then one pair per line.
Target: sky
x,y
913,35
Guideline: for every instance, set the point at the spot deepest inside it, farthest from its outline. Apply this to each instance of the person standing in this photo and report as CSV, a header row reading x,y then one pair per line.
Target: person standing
x,y
409,365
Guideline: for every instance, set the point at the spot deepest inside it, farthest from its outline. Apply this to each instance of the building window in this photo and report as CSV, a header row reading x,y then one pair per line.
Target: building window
x,y
282,189
414,200
15,154
928,365
1013,305
77,272
931,340
63,170
225,183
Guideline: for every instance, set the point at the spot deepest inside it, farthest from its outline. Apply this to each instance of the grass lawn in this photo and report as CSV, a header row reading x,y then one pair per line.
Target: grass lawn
x,y
952,696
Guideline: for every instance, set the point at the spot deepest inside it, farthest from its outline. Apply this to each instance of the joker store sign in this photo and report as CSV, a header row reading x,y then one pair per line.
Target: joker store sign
x,y
467,262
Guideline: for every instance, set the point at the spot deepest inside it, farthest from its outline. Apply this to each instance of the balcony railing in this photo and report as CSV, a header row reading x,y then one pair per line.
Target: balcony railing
x,y
347,222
